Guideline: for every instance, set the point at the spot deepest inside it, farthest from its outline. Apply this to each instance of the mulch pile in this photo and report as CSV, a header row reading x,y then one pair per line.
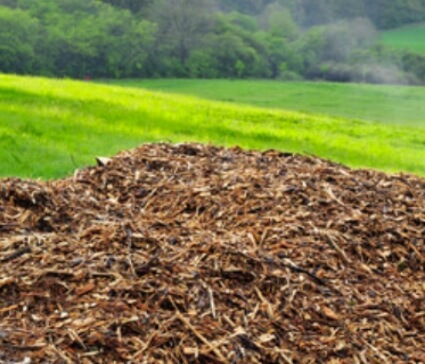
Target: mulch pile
x,y
198,254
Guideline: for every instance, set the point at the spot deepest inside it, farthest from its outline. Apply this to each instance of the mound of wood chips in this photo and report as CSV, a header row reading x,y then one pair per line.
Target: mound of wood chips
x,y
198,254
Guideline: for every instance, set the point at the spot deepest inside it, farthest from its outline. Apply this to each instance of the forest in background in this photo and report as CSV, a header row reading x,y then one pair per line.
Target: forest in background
x,y
332,40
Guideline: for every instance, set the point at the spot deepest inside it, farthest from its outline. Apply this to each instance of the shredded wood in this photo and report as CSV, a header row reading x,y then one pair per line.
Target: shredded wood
x,y
198,254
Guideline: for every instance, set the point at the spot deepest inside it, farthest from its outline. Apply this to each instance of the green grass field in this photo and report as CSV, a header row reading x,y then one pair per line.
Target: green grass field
x,y
49,127
410,37
389,104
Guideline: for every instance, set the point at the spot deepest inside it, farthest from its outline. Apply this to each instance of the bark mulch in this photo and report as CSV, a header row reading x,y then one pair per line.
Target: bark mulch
x,y
198,254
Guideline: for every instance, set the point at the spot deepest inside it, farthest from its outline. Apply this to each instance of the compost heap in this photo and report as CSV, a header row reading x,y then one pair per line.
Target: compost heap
x,y
198,254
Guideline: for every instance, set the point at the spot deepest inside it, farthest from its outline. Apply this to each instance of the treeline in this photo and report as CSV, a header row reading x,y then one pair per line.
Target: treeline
x,y
286,39
383,13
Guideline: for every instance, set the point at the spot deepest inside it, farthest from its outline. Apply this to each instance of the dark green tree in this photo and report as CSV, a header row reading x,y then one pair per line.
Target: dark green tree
x,y
18,36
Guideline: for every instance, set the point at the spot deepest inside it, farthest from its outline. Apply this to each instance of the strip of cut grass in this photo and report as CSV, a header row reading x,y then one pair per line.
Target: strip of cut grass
x,y
387,104
50,127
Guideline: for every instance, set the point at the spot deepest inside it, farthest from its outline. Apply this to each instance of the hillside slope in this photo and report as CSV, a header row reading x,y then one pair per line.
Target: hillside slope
x,y
50,127
409,37
389,104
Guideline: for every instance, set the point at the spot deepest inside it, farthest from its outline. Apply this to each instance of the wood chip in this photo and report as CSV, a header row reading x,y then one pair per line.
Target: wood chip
x,y
192,253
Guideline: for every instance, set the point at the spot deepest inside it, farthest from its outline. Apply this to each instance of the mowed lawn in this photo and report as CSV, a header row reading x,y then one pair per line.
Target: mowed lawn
x,y
50,127
401,105
409,37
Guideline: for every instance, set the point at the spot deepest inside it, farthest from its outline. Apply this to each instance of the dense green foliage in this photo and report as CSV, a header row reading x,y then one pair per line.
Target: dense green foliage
x,y
388,104
383,13
72,38
285,39
65,124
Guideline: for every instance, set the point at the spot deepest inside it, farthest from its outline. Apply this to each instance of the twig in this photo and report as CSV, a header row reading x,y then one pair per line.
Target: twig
x,y
295,268
270,312
333,244
331,240
16,254
210,293
200,336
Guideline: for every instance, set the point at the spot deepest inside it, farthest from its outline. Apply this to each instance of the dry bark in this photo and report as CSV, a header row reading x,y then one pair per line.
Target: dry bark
x,y
198,254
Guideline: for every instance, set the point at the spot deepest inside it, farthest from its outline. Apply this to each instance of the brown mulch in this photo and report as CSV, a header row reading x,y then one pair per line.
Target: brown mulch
x,y
198,254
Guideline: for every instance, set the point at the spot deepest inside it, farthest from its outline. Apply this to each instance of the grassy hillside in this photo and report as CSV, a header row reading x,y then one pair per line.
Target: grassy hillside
x,y
49,127
411,37
388,104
